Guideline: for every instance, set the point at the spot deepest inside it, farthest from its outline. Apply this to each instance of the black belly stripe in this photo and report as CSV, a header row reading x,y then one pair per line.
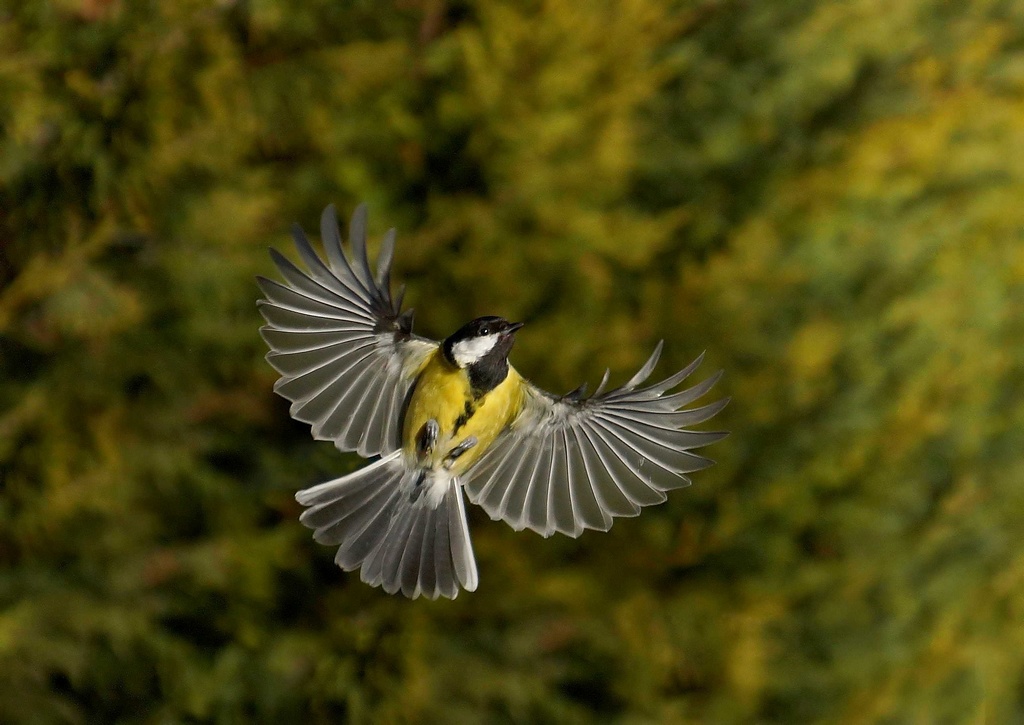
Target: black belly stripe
x,y
467,413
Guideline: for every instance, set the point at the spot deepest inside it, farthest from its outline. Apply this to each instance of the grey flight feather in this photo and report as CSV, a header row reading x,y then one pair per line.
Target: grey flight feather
x,y
343,346
572,463
397,541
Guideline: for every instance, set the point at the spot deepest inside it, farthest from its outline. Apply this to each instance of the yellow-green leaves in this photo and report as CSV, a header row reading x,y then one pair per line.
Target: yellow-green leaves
x,y
825,196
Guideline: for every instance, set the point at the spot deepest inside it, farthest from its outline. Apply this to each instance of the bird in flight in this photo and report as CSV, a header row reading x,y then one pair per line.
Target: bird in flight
x,y
452,417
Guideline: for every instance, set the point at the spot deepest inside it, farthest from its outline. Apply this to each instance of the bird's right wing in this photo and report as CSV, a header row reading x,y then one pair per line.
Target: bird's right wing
x,y
569,463
343,346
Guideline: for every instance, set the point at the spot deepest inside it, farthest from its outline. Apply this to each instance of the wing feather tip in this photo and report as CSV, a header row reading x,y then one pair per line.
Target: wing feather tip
x,y
713,409
646,369
714,378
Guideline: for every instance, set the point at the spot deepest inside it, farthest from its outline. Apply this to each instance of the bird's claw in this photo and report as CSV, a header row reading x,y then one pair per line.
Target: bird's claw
x,y
454,453
427,438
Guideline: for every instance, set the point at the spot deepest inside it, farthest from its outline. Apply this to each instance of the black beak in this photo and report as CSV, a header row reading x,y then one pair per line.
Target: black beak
x,y
513,326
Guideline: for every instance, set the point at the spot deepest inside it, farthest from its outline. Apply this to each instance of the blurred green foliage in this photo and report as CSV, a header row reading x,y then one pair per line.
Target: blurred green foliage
x,y
827,195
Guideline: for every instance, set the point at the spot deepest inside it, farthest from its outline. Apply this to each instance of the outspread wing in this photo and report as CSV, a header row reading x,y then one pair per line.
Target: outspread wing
x,y
344,348
571,463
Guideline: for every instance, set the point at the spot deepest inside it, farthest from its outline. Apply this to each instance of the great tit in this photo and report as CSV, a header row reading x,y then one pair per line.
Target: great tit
x,y
451,417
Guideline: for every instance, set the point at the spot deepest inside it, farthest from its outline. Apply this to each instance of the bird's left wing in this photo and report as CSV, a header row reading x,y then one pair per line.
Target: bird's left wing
x,y
569,463
343,346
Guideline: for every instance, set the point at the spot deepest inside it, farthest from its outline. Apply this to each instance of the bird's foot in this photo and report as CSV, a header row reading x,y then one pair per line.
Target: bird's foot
x,y
427,438
454,453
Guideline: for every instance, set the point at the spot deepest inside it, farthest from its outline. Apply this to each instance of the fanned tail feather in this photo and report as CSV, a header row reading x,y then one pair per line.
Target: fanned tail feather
x,y
401,539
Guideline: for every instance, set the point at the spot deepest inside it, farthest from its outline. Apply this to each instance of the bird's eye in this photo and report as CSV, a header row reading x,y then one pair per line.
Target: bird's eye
x,y
485,330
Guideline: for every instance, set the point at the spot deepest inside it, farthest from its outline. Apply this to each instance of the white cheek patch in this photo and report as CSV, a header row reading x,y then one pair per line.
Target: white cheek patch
x,y
467,352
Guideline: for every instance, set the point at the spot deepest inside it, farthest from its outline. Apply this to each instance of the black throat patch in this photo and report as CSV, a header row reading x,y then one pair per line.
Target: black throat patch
x,y
486,374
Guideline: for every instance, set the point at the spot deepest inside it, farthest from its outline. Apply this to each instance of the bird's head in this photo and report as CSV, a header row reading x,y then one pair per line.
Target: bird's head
x,y
485,338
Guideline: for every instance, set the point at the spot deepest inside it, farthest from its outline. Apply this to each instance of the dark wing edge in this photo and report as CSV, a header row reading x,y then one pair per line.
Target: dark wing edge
x,y
569,463
343,346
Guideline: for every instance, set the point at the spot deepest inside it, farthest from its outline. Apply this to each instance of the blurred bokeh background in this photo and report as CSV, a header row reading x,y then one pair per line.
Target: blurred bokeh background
x,y
826,195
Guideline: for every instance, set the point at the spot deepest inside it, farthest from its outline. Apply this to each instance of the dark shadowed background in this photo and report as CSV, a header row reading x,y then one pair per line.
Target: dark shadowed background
x,y
827,196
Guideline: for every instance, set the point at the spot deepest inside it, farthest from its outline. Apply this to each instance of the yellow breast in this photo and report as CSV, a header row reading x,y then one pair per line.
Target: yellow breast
x,y
443,392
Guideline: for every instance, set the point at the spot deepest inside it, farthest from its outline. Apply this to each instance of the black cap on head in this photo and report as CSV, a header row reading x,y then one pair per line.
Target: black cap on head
x,y
498,329
484,326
